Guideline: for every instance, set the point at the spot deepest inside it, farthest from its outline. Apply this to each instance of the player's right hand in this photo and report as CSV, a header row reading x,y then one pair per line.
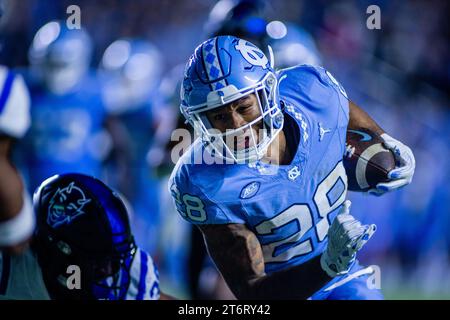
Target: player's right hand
x,y
346,237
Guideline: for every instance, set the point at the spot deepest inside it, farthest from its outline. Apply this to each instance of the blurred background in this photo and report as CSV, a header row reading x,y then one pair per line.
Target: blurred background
x,y
105,102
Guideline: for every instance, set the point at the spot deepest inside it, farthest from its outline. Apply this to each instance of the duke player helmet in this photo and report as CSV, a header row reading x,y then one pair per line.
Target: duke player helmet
x,y
224,69
59,56
82,223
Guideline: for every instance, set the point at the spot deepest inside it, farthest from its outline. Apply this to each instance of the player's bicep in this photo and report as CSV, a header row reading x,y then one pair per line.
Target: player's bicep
x,y
237,254
360,119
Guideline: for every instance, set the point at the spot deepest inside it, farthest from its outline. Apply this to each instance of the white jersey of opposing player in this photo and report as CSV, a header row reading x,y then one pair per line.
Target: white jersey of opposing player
x,y
21,278
14,104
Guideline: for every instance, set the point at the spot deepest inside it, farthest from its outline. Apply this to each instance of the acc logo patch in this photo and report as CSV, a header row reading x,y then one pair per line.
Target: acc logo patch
x,y
250,190
65,205
252,54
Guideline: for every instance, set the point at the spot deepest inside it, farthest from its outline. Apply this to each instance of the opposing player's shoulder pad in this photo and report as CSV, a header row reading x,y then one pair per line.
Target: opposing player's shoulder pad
x,y
14,104
194,188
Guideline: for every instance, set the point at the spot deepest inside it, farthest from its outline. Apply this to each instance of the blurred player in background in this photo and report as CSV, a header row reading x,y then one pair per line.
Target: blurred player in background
x,y
130,72
81,225
68,118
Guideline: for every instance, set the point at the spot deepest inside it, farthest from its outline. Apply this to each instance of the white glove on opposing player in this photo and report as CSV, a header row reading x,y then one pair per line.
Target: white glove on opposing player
x,y
346,237
405,165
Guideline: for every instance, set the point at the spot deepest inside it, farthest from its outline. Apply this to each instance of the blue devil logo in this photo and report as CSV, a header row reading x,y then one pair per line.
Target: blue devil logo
x,y
65,205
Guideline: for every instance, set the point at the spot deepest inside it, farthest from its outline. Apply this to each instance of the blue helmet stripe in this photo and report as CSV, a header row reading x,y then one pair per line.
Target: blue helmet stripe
x,y
212,65
224,82
142,276
6,90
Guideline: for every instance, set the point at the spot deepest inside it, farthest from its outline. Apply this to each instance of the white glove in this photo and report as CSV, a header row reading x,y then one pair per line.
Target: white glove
x,y
346,237
404,170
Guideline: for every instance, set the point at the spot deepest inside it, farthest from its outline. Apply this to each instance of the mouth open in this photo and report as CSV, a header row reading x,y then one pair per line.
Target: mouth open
x,y
242,143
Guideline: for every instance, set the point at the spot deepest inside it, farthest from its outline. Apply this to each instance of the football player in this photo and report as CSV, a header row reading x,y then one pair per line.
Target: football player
x,y
81,226
269,189
69,124
291,45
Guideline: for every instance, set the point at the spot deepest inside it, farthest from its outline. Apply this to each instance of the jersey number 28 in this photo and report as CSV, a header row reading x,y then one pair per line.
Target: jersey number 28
x,y
293,246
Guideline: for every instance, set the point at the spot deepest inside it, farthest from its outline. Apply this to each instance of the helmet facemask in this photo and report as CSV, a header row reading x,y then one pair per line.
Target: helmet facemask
x,y
103,276
112,275
259,132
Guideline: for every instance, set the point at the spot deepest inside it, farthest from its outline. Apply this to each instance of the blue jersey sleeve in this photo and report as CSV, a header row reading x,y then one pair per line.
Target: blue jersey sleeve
x,y
193,202
317,90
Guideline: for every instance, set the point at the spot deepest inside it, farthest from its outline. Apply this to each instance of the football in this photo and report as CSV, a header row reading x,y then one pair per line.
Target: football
x,y
366,160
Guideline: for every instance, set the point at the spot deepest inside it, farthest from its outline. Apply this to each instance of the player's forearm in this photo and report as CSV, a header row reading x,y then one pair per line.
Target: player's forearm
x,y
360,119
11,186
11,190
299,282
238,255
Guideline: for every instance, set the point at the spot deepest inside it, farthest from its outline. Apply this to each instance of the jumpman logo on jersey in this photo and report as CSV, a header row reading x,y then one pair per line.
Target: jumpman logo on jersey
x,y
322,131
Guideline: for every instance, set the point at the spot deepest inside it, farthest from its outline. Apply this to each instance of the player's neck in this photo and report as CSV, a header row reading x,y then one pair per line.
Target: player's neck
x,y
278,152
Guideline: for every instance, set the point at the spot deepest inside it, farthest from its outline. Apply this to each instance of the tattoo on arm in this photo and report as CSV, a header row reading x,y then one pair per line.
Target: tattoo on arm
x,y
237,254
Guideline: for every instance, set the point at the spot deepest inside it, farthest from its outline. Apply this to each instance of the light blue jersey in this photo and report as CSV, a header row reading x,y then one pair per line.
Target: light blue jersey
x,y
288,207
